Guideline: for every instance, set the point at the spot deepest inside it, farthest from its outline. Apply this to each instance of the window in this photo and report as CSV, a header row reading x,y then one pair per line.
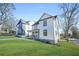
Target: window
x,y
45,23
44,32
5,30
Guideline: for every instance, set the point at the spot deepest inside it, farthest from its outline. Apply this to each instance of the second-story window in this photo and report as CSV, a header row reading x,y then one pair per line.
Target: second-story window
x,y
45,23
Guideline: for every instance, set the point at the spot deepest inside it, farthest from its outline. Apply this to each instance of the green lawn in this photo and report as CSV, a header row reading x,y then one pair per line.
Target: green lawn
x,y
34,48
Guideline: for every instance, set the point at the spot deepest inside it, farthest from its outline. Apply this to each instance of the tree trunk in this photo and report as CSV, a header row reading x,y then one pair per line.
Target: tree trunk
x,y
67,36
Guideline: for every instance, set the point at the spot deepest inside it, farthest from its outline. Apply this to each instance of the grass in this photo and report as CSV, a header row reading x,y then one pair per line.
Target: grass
x,y
36,48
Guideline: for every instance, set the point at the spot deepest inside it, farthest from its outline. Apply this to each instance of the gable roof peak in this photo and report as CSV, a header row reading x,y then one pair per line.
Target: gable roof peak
x,y
46,14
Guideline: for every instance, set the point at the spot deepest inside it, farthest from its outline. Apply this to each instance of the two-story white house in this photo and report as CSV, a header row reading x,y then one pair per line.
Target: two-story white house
x,y
28,29
46,29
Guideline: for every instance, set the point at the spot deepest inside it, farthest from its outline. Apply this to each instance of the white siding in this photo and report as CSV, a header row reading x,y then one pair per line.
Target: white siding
x,y
56,31
28,28
35,27
49,28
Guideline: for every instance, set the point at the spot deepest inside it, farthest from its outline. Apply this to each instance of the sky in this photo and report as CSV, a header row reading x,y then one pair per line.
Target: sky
x,y
33,11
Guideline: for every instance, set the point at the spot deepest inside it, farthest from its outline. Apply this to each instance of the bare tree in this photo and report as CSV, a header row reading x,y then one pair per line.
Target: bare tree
x,y
5,11
70,15
10,23
75,31
6,15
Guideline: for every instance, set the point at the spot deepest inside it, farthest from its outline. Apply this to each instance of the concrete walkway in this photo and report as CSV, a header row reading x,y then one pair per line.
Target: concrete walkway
x,y
10,38
14,38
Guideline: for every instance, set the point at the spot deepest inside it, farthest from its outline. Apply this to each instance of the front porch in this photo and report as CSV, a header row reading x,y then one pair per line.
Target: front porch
x,y
35,34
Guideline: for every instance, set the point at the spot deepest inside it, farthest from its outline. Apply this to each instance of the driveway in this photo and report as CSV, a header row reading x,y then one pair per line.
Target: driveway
x,y
76,41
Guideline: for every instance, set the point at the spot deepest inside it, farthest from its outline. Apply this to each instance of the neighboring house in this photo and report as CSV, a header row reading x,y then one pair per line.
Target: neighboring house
x,y
46,29
24,28
28,29
5,30
20,30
